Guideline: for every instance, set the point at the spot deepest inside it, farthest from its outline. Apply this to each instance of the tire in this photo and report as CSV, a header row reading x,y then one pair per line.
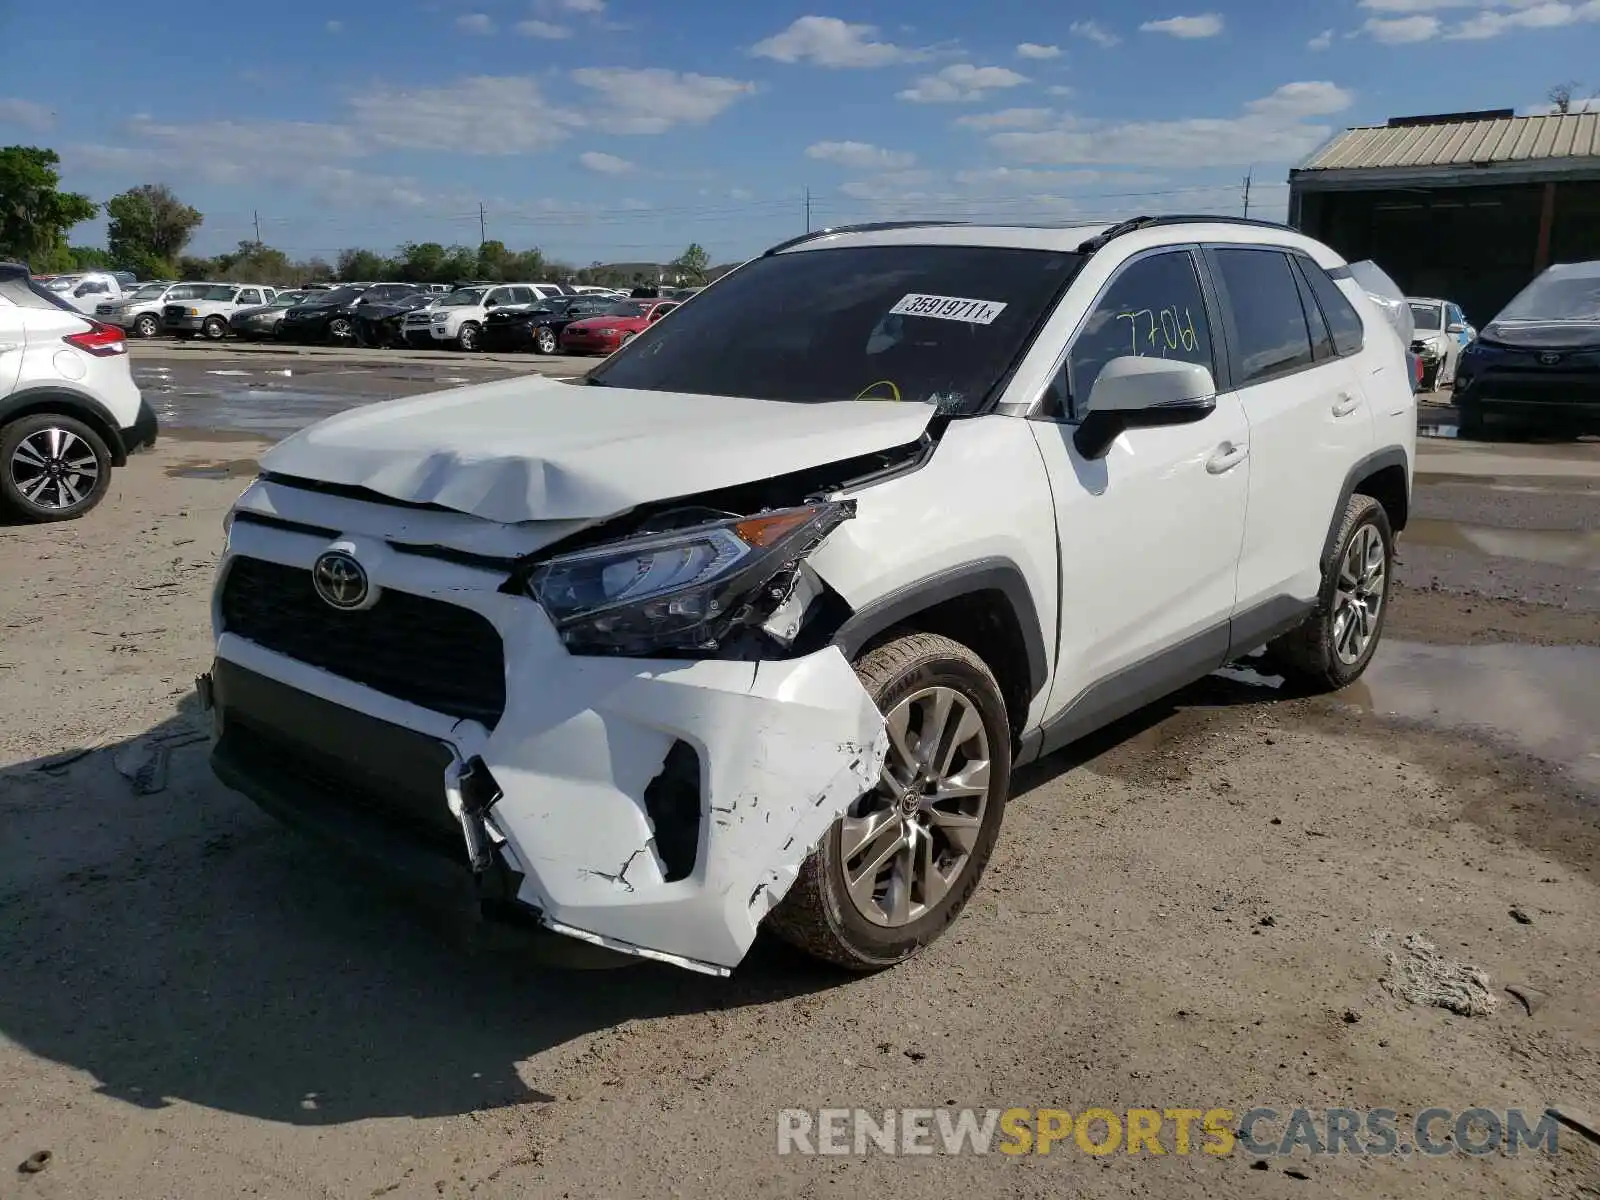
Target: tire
x,y
147,326
544,340
42,437
1325,653
214,329
341,330
467,336
1471,425
819,915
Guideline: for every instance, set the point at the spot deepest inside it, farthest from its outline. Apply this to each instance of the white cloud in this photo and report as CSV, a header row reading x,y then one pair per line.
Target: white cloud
x,y
1416,6
860,156
1399,31
1007,118
741,194
543,29
1095,32
1059,89
1322,41
653,99
334,26
1295,100
1270,130
1004,179
27,114
605,164
1539,16
476,23
593,7
1203,26
487,114
1034,50
830,42
899,186
960,83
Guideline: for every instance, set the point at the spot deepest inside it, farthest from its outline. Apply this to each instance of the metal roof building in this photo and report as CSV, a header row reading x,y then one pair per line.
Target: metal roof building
x,y
1465,205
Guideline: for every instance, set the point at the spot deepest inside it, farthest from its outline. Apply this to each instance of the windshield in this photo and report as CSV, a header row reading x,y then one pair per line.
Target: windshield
x,y
62,283
462,297
187,291
388,291
630,308
337,296
1427,317
936,325
285,299
1560,294
148,291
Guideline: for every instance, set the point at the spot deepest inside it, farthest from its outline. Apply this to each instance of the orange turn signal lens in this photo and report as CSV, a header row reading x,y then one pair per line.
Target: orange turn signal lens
x,y
764,530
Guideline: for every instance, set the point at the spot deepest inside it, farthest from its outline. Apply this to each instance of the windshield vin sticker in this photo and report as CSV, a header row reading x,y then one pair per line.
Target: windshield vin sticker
x,y
949,308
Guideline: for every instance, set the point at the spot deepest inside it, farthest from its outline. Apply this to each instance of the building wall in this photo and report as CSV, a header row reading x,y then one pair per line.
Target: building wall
x,y
1477,245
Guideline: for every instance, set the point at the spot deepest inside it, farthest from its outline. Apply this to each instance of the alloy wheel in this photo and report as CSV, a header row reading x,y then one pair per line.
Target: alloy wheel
x,y
546,340
1358,595
905,844
54,469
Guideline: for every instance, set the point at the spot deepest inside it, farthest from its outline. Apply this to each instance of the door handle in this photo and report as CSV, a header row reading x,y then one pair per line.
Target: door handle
x,y
1227,457
1346,404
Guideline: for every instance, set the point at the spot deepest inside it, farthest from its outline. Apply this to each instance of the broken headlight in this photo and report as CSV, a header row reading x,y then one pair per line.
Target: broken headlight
x,y
680,590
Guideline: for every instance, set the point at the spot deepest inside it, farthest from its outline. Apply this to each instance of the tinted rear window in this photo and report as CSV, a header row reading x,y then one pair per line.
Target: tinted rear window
x,y
822,325
28,293
1343,320
1267,317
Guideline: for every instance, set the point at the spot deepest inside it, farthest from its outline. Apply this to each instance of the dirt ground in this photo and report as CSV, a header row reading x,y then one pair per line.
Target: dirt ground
x,y
195,1003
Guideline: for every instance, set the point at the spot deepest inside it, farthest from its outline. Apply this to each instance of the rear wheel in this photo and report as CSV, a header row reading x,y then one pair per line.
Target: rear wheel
x,y
895,871
1336,642
214,329
341,329
52,467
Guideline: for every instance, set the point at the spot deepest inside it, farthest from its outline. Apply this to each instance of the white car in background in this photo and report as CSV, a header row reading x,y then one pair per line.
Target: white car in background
x,y
456,320
1441,333
209,313
139,311
87,291
69,409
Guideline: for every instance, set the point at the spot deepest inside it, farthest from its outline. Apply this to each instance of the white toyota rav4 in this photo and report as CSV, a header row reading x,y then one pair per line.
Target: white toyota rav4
x,y
754,628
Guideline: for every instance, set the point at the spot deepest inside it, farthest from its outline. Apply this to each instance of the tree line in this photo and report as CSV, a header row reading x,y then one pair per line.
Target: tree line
x,y
148,229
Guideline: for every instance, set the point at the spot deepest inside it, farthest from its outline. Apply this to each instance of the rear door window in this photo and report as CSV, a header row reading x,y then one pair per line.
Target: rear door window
x,y
250,296
1322,347
1344,323
1269,324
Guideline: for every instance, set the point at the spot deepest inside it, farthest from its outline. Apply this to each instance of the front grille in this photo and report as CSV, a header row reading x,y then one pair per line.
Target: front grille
x,y
440,656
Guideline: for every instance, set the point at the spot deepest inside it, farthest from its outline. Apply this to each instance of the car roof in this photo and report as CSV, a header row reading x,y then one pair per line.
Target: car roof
x,y
1138,233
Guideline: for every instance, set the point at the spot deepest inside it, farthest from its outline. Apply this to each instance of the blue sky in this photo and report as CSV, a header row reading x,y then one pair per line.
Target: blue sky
x,y
624,129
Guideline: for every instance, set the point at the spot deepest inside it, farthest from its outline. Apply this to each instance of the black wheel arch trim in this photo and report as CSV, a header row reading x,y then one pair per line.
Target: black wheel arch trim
x,y
1389,456
72,403
983,575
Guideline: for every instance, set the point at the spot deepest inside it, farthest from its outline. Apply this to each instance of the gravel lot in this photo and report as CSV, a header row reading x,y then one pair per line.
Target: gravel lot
x,y
195,1003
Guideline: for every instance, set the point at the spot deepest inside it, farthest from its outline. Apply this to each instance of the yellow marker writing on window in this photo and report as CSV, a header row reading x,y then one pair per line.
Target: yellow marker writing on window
x,y
882,383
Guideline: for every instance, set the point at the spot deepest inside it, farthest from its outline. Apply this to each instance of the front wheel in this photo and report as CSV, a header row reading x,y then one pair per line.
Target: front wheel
x,y
341,330
895,871
1336,642
52,467
147,326
544,340
467,338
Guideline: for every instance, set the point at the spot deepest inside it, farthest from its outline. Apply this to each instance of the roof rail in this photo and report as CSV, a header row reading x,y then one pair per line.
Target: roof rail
x,y
13,270
1100,240
867,227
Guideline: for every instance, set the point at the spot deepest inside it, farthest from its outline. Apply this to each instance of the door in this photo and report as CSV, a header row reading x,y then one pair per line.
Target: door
x,y
1150,532
13,341
1308,417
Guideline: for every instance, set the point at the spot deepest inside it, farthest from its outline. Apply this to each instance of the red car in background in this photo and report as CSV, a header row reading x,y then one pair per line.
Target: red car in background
x,y
617,326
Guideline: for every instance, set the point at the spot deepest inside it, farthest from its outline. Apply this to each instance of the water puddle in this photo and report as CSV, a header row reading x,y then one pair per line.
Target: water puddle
x,y
1562,548
1543,700
238,468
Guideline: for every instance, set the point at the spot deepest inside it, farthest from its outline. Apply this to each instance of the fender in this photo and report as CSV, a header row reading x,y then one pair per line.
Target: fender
x,y
55,397
982,575
1390,456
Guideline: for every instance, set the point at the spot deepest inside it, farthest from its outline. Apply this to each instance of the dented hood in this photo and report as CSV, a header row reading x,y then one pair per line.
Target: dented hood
x,y
534,449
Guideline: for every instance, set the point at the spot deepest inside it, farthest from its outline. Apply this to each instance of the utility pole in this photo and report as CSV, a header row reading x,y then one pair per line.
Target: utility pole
x,y
257,216
1247,176
808,210
483,228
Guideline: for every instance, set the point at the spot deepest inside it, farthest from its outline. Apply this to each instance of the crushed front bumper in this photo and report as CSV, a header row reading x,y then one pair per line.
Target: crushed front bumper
x,y
655,807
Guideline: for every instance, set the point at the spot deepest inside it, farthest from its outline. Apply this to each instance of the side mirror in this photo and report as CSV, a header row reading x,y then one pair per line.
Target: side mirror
x,y
1134,392
1457,327
491,303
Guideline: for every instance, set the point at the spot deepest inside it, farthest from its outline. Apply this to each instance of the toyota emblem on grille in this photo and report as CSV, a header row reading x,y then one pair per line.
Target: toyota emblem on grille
x,y
340,580
1549,358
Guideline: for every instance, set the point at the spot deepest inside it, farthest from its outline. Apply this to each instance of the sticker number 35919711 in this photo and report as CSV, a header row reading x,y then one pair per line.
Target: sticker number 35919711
x,y
949,308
